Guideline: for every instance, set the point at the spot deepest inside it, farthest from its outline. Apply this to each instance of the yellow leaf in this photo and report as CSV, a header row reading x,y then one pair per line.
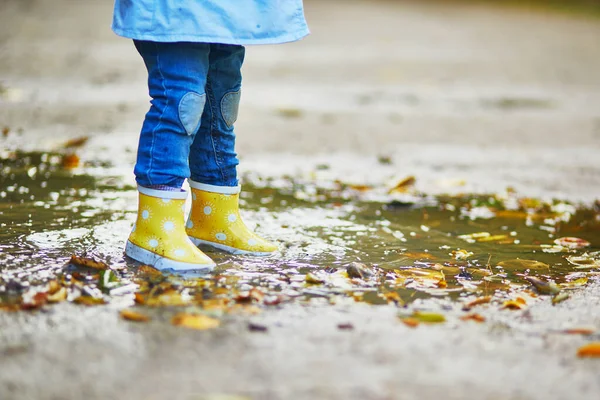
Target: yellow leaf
x,y
461,254
195,321
89,301
589,350
131,315
543,287
58,296
516,304
560,297
428,317
404,185
313,279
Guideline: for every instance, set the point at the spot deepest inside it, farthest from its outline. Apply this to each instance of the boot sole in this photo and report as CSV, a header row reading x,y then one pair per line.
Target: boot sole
x,y
229,249
164,264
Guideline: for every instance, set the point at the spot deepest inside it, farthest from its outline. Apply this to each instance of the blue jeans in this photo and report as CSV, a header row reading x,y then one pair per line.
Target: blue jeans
x,y
188,131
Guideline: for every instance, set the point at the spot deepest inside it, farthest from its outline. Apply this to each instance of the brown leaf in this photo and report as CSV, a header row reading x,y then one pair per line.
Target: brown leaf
x,y
346,326
473,317
252,327
77,142
148,270
70,161
589,350
477,301
5,131
36,301
195,321
135,316
579,331
88,262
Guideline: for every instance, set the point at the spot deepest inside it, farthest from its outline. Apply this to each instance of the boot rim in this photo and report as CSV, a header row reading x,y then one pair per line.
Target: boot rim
x,y
214,189
162,194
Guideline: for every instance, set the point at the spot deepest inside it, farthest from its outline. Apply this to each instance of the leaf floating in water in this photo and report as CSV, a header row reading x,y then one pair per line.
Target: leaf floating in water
x,y
591,260
572,242
135,316
589,350
543,287
404,185
358,270
461,254
88,262
522,265
195,321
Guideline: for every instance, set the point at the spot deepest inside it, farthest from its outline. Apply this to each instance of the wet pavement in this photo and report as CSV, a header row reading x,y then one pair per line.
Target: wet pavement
x,y
501,135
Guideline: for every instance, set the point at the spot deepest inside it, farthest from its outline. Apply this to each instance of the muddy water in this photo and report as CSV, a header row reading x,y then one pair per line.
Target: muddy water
x,y
410,244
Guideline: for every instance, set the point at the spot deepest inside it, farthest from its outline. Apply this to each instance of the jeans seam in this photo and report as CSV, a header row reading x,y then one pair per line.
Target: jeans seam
x,y
162,79
211,98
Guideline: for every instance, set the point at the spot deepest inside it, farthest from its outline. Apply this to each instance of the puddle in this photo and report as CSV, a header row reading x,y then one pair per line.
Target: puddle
x,y
407,245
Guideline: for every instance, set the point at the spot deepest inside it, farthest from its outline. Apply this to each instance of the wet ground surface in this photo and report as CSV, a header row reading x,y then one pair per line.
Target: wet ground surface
x,y
499,126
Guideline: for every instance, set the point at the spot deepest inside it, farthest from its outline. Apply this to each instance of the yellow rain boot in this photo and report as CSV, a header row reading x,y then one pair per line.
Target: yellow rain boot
x,y
215,221
158,237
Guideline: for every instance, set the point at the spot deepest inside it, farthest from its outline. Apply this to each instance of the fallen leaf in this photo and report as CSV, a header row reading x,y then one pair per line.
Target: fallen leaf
x,y
89,301
77,142
346,326
195,321
358,270
579,331
572,242
461,254
312,279
393,297
36,301
88,262
411,322
522,265
428,317
589,350
253,327
543,287
515,304
135,316
473,317
58,296
404,185
560,297
289,112
5,131
70,161
477,301
149,271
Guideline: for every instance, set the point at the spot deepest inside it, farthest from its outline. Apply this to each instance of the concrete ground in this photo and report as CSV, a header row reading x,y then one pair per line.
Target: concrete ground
x,y
465,97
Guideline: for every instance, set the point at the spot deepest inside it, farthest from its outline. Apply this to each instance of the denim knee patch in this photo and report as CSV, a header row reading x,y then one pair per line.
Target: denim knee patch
x,y
191,107
229,107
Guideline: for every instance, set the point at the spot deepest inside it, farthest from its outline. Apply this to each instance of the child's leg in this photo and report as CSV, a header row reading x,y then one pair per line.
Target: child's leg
x,y
214,219
213,159
176,80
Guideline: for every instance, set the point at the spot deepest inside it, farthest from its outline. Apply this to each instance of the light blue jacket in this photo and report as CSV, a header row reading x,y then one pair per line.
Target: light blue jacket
x,y
212,21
